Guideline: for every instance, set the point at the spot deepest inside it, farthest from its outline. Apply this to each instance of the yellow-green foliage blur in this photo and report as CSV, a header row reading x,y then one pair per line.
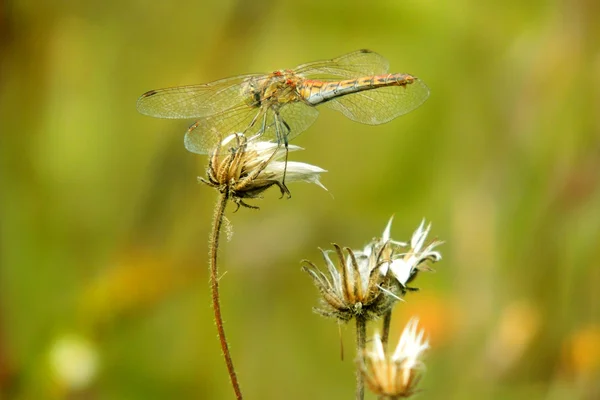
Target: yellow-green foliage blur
x,y
104,228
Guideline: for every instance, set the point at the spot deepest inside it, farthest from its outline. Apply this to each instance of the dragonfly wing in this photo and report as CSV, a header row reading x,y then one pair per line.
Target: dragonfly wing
x,y
264,124
204,136
195,101
268,125
378,106
298,117
351,65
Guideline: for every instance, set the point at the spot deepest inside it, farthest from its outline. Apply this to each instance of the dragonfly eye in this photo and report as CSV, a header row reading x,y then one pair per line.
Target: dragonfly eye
x,y
257,98
252,93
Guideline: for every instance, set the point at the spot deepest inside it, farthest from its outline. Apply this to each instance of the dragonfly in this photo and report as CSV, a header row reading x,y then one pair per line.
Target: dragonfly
x,y
281,105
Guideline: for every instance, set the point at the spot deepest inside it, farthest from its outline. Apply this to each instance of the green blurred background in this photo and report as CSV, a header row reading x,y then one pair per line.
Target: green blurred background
x,y
105,228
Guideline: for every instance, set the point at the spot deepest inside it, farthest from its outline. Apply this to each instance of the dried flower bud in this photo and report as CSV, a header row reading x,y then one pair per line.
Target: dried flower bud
x,y
245,168
396,375
356,287
369,281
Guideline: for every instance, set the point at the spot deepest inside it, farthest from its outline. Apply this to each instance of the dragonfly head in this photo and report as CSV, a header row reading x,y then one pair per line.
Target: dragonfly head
x,y
252,92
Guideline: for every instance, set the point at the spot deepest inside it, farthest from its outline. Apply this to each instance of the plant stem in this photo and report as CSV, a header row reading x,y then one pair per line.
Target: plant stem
x,y
361,339
387,319
214,284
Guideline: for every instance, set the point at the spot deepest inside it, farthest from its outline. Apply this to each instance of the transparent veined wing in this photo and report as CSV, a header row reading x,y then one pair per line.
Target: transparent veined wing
x,y
378,106
206,134
298,117
265,124
195,101
352,65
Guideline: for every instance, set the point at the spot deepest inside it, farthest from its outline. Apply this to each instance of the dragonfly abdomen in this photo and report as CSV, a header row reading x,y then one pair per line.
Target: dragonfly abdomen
x,y
317,92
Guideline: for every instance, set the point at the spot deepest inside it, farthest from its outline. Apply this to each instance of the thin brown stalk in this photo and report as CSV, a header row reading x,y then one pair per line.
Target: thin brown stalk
x,y
387,319
361,340
214,284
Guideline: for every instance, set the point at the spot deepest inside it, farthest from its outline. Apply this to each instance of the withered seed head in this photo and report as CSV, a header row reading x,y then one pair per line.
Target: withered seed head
x,y
244,169
368,282
356,287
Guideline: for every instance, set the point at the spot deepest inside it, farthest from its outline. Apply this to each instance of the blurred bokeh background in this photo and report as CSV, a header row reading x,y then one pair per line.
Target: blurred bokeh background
x,y
104,228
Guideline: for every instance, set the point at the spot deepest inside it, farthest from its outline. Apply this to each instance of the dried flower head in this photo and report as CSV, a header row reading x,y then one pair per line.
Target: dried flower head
x,y
395,375
355,288
244,168
368,282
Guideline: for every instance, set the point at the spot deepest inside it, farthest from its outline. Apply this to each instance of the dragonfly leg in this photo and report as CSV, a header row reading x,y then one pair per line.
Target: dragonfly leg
x,y
263,127
284,189
252,122
239,202
283,137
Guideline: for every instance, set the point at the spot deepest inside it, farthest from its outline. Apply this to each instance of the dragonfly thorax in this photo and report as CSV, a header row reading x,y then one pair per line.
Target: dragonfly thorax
x,y
273,90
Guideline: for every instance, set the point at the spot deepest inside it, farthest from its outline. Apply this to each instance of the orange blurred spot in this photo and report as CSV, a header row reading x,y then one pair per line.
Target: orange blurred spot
x,y
518,324
583,351
437,316
516,328
136,280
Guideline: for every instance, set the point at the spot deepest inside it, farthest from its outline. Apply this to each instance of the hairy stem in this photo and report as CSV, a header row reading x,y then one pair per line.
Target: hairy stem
x,y
387,319
361,339
214,284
